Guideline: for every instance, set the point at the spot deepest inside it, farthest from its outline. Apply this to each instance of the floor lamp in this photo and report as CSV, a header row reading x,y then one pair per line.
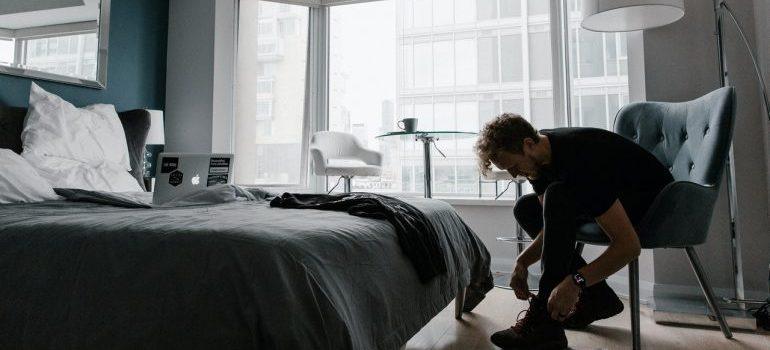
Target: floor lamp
x,y
632,15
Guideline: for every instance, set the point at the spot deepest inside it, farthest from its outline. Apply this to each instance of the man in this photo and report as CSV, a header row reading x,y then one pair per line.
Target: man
x,y
580,175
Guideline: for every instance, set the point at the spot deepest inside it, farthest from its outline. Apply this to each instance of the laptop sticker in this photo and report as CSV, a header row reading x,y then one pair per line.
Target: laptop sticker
x,y
169,164
219,166
216,179
175,178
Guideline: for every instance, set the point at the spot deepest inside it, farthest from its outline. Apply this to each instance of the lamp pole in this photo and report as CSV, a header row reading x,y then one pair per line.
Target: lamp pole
x,y
720,9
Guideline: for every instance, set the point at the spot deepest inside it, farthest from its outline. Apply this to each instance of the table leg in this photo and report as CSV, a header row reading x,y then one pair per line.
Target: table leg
x,y
426,154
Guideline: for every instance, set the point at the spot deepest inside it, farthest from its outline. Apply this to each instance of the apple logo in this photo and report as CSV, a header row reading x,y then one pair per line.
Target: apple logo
x,y
196,180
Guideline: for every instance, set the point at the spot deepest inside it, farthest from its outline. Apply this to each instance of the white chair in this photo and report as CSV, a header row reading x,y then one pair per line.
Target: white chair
x,y
340,154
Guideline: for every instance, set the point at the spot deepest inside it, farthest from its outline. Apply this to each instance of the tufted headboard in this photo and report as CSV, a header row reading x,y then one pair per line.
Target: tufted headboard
x,y
691,138
136,124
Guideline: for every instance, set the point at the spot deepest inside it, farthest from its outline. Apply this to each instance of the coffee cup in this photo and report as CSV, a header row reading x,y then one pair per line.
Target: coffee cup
x,y
407,124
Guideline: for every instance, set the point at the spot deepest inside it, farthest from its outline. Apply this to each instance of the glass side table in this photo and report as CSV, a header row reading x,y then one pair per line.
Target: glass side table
x,y
428,137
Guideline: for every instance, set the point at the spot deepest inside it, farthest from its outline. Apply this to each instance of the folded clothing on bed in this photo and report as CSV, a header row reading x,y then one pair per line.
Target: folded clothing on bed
x,y
416,236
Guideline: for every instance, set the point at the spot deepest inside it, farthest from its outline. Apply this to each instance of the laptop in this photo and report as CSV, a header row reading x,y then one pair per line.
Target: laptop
x,y
180,174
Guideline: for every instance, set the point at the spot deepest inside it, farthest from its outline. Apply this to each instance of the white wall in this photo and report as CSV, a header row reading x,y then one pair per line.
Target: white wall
x,y
199,75
681,64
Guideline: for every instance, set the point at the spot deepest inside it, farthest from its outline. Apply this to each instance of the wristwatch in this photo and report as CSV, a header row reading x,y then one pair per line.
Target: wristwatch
x,y
579,280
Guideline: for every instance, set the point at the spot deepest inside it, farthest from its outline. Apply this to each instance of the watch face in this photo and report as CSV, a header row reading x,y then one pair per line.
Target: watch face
x,y
579,280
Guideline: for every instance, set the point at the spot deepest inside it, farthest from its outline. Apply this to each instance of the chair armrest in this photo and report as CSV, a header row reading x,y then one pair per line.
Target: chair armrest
x,y
370,157
319,162
679,216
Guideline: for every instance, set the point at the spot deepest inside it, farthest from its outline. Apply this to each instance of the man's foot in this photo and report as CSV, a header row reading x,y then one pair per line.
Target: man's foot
x,y
596,303
536,330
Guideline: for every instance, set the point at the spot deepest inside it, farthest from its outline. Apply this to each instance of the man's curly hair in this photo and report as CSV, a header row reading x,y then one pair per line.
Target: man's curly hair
x,y
506,132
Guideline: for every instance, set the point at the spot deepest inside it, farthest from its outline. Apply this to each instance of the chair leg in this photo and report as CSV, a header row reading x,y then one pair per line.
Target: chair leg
x,y
459,303
707,291
579,248
348,183
633,300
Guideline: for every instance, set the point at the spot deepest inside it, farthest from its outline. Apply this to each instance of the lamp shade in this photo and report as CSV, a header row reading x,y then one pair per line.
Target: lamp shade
x,y
157,134
630,15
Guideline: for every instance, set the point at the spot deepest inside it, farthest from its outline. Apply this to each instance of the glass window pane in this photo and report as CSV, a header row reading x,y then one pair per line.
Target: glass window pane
x,y
488,110
443,63
540,56
591,55
268,129
423,13
510,8
596,97
408,64
424,114
465,66
511,60
542,113
538,7
487,60
443,13
423,65
513,106
610,54
444,116
467,116
593,111
6,50
363,78
465,11
486,9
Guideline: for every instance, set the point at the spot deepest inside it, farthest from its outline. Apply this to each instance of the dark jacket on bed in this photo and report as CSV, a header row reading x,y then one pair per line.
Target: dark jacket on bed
x,y
416,236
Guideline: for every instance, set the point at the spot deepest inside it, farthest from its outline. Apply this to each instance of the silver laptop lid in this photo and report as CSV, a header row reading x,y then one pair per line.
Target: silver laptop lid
x,y
183,173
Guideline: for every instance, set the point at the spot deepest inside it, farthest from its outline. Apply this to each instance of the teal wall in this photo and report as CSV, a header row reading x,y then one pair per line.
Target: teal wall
x,y
136,67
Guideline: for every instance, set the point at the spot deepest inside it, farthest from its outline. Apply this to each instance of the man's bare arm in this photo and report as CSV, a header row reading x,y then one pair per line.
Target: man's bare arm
x,y
624,246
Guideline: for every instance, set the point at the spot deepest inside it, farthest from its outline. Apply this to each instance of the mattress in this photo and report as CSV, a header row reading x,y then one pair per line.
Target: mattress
x,y
237,275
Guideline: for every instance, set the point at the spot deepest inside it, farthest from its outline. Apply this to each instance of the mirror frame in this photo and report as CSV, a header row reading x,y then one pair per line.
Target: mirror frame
x,y
101,58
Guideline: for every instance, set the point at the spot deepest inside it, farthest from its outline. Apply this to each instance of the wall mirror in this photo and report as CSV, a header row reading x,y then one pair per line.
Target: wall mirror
x,y
58,40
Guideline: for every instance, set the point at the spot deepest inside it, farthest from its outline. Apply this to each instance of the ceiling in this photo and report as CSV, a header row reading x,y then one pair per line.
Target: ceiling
x,y
18,14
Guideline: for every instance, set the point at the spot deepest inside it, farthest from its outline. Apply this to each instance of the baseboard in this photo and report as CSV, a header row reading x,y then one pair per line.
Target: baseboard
x,y
686,305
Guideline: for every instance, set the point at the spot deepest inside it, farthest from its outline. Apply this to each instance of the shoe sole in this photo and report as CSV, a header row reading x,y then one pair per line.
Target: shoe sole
x,y
544,346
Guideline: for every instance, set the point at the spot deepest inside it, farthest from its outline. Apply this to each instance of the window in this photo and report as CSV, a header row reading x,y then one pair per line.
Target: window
x,y
270,92
510,8
510,49
6,50
73,55
443,63
362,71
540,56
599,68
486,9
452,64
487,60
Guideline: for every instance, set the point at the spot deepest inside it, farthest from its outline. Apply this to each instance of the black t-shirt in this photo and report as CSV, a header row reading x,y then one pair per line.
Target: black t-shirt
x,y
601,166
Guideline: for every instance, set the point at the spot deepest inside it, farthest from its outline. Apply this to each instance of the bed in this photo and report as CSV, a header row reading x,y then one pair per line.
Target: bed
x,y
237,275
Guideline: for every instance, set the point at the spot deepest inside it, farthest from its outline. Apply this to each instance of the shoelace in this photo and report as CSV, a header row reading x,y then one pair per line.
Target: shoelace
x,y
524,325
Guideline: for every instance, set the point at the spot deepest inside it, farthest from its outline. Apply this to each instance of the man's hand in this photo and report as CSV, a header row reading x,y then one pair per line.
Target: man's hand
x,y
519,282
561,303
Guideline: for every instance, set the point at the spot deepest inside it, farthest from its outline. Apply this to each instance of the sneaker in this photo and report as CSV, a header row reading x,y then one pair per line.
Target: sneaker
x,y
536,330
596,303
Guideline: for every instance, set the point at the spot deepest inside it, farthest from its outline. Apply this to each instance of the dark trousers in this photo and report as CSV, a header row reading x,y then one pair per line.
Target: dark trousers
x,y
559,217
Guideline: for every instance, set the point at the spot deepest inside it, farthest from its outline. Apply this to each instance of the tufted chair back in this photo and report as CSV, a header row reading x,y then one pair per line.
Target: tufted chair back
x,y
690,138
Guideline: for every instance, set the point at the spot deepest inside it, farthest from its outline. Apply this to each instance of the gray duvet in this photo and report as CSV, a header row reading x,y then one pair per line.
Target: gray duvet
x,y
237,275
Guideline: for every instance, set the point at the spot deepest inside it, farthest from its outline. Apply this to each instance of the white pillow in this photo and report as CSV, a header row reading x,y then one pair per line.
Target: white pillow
x,y
73,147
19,182
54,127
68,173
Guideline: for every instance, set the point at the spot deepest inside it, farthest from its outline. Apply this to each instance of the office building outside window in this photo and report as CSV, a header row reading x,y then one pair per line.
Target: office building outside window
x,y
454,65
